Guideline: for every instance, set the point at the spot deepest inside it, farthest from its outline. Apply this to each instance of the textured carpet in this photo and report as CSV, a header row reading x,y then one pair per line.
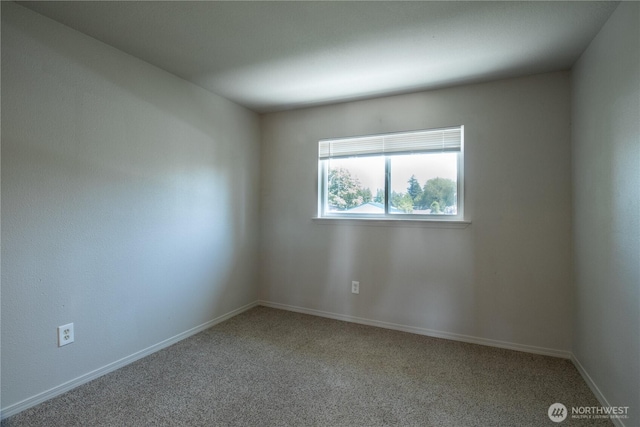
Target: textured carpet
x,y
269,367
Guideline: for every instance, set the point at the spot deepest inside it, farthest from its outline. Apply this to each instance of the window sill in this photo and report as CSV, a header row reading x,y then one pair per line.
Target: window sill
x,y
387,222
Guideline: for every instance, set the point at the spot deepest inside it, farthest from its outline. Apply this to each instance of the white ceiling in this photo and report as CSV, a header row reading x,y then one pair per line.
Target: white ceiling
x,y
271,56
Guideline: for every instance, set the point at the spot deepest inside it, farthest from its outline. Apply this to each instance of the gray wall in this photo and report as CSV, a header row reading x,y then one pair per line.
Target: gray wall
x,y
606,217
505,277
130,207
129,204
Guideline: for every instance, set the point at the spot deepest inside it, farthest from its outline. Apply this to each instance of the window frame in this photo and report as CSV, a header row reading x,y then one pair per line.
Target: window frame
x,y
323,171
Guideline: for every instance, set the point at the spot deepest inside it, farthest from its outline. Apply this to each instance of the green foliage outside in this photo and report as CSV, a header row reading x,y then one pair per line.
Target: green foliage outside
x,y
402,201
437,190
346,192
437,194
379,196
414,190
366,195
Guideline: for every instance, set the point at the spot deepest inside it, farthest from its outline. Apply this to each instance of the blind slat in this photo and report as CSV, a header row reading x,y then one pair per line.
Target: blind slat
x,y
433,140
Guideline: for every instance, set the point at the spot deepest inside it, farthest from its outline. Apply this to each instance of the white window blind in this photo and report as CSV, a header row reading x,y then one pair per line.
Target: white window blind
x,y
432,140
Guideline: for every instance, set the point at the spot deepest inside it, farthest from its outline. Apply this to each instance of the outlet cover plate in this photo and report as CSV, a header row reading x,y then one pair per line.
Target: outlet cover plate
x,y
65,334
355,287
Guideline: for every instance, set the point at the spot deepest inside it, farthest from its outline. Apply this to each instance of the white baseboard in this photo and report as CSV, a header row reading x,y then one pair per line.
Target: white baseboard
x,y
457,337
594,388
62,388
423,331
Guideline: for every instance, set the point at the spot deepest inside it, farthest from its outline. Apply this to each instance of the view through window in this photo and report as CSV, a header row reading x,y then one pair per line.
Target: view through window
x,y
402,175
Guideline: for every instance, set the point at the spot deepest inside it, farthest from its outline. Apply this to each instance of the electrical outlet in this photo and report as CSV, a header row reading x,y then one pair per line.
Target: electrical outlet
x,y
355,287
65,334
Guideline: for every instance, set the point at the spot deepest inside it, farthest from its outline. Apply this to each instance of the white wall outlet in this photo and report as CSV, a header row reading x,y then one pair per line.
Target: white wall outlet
x,y
65,334
355,287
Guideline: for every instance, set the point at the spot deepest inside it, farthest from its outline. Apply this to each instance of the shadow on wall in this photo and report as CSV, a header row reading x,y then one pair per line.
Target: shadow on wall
x,y
89,229
187,102
125,196
409,276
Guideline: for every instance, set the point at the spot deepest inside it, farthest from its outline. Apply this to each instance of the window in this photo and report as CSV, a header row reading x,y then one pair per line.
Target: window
x,y
406,175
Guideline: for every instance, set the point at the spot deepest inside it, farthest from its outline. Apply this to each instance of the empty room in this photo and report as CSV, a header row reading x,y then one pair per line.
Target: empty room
x,y
309,213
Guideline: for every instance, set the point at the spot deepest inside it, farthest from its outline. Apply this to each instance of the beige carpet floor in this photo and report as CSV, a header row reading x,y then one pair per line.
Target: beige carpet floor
x,y
268,367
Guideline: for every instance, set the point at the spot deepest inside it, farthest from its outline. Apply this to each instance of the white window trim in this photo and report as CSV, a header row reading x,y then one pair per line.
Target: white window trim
x,y
390,222
453,221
